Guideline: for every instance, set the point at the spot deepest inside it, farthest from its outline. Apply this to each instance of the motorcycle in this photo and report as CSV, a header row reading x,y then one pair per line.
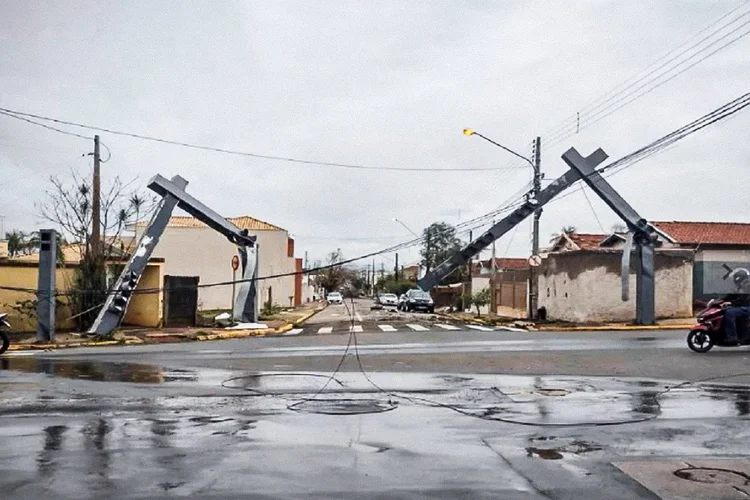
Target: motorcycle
x,y
710,329
4,338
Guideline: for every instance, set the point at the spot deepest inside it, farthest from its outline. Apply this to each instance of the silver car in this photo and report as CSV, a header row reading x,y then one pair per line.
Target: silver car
x,y
335,298
389,299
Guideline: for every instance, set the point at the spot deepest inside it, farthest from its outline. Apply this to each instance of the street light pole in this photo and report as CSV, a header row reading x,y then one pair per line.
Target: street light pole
x,y
537,186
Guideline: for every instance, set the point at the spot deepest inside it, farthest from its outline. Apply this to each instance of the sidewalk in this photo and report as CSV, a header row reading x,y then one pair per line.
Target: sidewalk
x,y
280,323
665,324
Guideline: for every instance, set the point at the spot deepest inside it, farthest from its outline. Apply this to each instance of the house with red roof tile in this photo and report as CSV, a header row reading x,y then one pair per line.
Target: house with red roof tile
x,y
695,261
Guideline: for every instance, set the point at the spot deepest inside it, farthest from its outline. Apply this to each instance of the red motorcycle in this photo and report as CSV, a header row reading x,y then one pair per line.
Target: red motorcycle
x,y
710,328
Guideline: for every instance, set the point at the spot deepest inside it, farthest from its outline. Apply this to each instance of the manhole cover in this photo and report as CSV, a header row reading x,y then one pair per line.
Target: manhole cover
x,y
343,406
713,476
552,392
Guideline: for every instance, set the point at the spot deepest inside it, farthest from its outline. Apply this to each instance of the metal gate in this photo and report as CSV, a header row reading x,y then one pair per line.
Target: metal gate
x,y
180,300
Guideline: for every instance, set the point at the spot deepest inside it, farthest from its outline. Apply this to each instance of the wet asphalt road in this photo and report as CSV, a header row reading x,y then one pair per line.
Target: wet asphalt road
x,y
434,415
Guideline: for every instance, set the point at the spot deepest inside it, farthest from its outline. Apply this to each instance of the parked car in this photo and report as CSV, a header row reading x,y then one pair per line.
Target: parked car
x,y
335,298
418,300
388,299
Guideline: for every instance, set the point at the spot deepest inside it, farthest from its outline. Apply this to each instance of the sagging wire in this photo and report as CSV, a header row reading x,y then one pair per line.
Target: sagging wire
x,y
483,414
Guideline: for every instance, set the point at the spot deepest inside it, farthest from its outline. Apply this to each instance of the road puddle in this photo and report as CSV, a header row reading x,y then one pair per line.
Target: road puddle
x,y
99,371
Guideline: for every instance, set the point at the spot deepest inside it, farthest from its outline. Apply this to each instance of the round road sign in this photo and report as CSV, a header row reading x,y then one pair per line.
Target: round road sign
x,y
535,261
235,263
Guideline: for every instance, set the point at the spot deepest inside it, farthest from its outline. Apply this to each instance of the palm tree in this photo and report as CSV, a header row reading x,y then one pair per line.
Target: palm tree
x,y
563,230
16,242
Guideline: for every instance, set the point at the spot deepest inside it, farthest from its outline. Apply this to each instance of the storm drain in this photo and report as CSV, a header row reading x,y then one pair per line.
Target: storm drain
x,y
710,475
342,406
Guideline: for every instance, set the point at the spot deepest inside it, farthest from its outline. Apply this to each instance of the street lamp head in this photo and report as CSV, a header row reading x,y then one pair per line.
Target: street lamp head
x,y
469,131
394,219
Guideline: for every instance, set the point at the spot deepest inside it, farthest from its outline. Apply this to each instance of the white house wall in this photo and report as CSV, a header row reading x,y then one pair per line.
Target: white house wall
x,y
205,253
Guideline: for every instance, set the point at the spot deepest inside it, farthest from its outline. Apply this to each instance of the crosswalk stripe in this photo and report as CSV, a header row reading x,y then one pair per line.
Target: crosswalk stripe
x,y
387,328
417,328
325,329
480,328
294,331
356,329
447,327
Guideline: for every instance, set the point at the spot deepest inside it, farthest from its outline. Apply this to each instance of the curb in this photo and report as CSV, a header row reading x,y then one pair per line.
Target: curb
x,y
611,328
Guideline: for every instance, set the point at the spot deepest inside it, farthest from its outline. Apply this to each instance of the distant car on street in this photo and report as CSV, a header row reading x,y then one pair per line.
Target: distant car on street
x,y
418,300
389,299
335,298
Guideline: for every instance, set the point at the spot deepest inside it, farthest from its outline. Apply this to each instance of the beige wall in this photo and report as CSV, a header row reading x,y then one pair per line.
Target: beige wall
x,y
207,254
143,310
585,287
723,255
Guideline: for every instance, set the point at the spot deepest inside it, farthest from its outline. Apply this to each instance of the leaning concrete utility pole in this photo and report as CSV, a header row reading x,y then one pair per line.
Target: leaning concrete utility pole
x,y
536,189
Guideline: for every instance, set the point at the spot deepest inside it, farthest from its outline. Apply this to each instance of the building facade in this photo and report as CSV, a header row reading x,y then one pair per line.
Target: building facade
x,y
190,248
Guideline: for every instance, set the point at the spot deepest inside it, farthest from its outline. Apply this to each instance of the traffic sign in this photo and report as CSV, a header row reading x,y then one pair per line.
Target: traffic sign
x,y
535,261
235,263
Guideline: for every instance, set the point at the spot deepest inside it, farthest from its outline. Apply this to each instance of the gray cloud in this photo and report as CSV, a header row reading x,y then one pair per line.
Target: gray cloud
x,y
375,83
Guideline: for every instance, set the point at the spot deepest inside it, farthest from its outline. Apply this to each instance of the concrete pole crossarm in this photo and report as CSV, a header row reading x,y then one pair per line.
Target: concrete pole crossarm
x,y
189,204
463,256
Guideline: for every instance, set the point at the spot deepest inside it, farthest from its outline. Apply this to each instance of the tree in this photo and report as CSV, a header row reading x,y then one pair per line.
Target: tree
x,y
480,299
334,277
69,206
17,243
563,230
440,242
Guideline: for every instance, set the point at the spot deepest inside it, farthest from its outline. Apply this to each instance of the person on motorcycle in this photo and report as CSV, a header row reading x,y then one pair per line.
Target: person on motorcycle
x,y
735,315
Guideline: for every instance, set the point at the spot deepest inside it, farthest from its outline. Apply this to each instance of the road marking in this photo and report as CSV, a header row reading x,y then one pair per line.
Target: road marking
x,y
294,331
480,328
387,328
447,327
418,328
325,329
359,317
21,353
355,329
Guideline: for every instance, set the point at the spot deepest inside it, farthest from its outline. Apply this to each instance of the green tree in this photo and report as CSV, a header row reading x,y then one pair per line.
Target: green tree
x,y
480,299
17,243
336,276
69,207
439,243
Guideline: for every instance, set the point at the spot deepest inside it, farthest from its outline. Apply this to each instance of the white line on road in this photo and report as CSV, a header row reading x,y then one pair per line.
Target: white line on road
x,y
480,328
294,331
22,353
355,329
447,327
387,328
418,328
359,317
325,329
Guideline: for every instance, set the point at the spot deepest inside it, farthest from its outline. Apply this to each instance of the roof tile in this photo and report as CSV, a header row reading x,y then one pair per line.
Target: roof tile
x,y
707,233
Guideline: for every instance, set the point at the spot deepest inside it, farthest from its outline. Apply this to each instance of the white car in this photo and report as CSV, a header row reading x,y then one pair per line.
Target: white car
x,y
335,298
389,299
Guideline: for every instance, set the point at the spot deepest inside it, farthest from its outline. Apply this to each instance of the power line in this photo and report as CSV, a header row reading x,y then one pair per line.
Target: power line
x,y
613,93
48,127
599,116
28,116
596,216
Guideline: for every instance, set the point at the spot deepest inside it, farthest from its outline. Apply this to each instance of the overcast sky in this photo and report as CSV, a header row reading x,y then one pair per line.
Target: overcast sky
x,y
379,83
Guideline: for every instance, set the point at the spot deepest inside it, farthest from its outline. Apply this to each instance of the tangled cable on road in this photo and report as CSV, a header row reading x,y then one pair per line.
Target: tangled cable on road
x,y
359,406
